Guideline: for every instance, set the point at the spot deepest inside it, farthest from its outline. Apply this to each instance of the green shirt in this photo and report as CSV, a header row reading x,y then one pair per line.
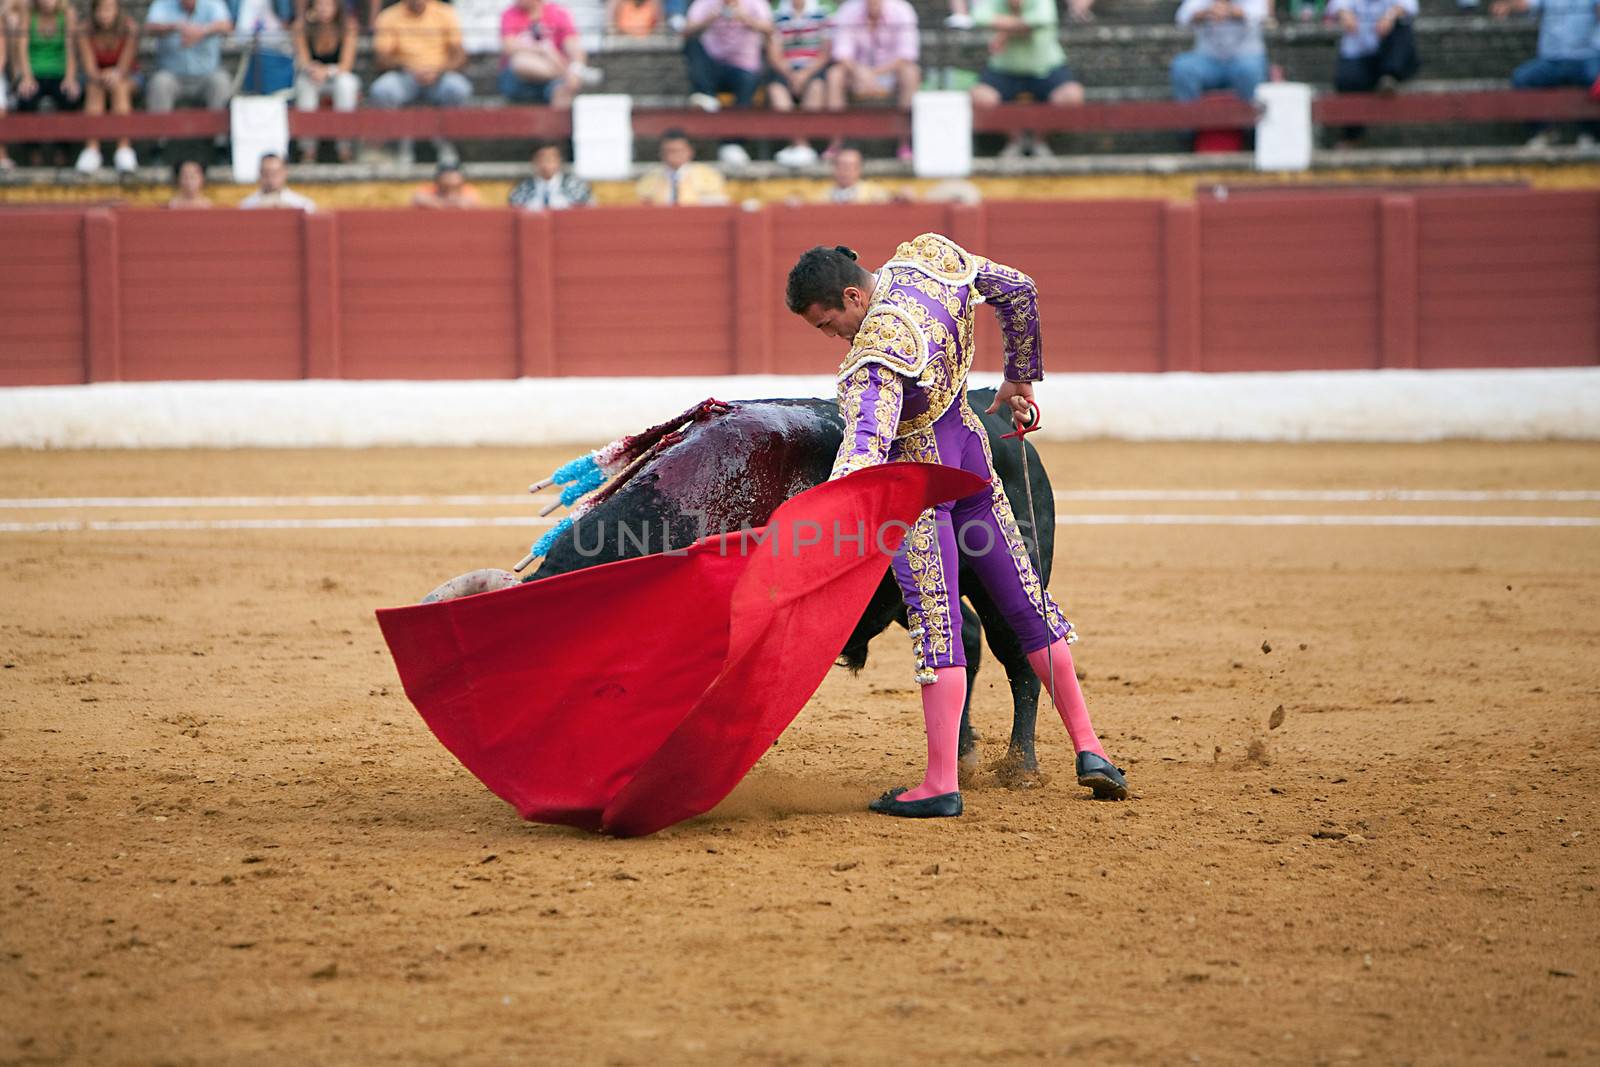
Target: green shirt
x,y
1032,54
48,55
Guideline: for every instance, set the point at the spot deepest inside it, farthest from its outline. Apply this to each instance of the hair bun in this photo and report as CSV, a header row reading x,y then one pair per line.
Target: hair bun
x,y
843,251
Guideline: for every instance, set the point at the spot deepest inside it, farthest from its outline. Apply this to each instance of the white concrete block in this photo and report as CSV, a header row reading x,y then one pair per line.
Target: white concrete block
x,y
941,135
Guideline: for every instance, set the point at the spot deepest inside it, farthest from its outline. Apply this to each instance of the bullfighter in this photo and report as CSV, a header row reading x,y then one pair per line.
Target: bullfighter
x,y
903,395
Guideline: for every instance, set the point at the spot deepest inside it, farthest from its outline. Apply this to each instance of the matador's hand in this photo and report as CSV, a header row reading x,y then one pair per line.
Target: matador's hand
x,y
1015,395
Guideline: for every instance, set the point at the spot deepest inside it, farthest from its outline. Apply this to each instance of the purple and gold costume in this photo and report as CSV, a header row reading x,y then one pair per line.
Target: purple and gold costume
x,y
903,395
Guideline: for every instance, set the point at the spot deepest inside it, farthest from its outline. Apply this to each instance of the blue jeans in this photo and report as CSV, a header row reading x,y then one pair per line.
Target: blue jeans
x,y
397,88
709,76
1554,73
1194,74
517,91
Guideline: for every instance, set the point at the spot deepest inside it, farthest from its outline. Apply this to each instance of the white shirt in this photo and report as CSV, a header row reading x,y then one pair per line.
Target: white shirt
x,y
284,197
1227,38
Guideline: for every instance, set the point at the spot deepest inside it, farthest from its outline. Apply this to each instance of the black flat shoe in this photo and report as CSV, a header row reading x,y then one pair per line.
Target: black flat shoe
x,y
943,806
1098,774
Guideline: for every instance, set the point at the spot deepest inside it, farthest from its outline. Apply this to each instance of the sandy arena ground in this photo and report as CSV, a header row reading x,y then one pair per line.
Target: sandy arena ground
x,y
228,838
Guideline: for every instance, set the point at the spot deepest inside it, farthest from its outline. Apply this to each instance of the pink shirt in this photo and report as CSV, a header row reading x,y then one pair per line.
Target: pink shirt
x,y
555,25
894,37
730,42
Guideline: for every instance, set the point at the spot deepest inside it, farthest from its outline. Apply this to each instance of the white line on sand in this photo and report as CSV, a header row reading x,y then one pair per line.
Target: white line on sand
x,y
48,502
462,521
1327,520
1465,496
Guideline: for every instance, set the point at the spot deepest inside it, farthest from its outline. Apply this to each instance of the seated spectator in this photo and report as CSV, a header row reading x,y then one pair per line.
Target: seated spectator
x,y
678,180
634,18
875,51
274,191
1377,51
6,162
190,178
1568,53
1229,52
960,17
797,65
263,28
106,50
449,189
418,45
188,56
848,186
1025,57
325,56
542,58
47,63
723,46
552,187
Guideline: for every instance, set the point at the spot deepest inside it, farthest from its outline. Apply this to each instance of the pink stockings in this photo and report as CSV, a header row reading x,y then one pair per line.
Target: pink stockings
x,y
1068,696
941,716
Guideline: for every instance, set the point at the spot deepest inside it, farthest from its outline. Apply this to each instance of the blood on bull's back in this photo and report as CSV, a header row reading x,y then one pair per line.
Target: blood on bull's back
x,y
719,475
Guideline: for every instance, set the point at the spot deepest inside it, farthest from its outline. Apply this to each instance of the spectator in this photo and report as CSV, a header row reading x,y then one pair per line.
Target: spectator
x,y
552,187
418,44
797,64
875,50
188,54
47,62
190,178
325,56
848,186
960,17
8,29
678,179
449,189
634,18
1025,56
6,162
723,45
542,58
274,191
264,27
1568,52
1228,50
1377,51
106,50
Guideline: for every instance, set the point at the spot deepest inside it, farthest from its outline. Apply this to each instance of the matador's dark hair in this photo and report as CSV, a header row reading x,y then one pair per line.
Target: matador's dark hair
x,y
822,276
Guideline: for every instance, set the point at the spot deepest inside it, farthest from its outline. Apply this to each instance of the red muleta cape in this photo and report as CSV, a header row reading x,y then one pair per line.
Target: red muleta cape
x,y
630,696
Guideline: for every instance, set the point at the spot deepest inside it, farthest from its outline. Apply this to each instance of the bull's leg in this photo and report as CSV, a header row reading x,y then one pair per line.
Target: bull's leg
x,y
1020,767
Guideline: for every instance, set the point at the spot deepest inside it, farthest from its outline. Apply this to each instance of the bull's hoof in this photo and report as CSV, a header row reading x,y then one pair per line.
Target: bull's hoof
x,y
1018,769
472,583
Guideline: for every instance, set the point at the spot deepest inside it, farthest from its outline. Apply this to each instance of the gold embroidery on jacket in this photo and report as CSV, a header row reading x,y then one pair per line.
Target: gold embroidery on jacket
x,y
852,392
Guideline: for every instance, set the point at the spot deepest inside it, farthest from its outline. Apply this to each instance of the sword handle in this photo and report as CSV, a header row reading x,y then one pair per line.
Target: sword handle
x,y
1024,428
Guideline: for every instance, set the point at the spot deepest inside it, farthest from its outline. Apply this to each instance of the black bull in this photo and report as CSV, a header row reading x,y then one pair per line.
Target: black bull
x,y
733,468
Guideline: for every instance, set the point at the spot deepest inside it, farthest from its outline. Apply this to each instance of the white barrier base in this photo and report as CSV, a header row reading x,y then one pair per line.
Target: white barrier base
x,y
1502,405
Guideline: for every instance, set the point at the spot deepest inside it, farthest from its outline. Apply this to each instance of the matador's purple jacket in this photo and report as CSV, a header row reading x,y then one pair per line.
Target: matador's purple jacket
x,y
903,395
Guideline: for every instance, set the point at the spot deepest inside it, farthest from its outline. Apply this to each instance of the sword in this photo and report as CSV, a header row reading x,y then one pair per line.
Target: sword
x,y
1025,426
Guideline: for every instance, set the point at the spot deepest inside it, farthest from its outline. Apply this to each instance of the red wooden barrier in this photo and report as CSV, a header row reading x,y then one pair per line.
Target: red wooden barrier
x,y
42,289
1508,287
1289,286
1493,278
